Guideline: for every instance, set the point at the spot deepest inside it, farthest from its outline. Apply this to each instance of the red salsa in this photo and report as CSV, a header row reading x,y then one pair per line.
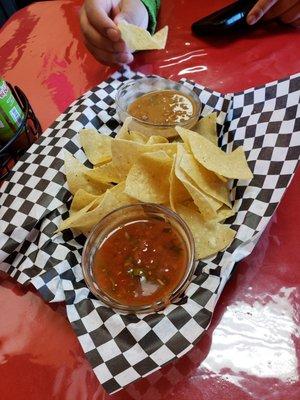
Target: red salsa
x,y
141,262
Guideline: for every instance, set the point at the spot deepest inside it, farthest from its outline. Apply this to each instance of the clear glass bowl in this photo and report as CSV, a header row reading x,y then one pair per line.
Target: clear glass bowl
x,y
120,217
135,88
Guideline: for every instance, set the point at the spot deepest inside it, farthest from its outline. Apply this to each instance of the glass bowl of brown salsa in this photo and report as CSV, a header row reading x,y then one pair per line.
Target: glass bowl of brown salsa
x,y
139,258
156,105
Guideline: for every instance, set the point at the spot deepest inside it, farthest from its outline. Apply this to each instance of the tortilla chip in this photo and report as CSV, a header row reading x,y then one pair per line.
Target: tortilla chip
x,y
137,38
150,169
231,165
157,139
125,153
85,219
223,213
169,148
137,137
184,135
148,178
123,132
205,203
205,180
106,173
82,199
222,178
210,237
77,177
207,127
117,196
129,134
161,37
178,192
95,145
76,218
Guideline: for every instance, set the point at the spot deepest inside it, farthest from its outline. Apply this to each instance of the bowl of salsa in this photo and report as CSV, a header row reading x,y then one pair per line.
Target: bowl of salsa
x,y
139,258
156,105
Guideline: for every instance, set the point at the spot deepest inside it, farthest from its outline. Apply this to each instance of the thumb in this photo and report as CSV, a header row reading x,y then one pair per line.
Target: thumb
x,y
133,12
120,17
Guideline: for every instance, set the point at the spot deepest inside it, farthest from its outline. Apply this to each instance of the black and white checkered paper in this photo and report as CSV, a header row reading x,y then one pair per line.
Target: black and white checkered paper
x,y
125,347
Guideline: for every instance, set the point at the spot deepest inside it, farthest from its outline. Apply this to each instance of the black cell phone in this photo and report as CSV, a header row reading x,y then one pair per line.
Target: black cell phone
x,y
227,19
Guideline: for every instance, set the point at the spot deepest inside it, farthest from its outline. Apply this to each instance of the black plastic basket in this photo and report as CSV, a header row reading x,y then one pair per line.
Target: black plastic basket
x,y
29,130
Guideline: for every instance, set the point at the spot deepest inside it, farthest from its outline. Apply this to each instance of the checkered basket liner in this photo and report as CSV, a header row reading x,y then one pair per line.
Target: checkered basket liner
x,y
125,347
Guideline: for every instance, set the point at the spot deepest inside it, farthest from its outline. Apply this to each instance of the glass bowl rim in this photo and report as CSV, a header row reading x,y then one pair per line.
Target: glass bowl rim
x,y
131,82
158,305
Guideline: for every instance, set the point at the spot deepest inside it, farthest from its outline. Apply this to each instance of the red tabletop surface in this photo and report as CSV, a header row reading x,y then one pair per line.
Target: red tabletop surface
x,y
252,348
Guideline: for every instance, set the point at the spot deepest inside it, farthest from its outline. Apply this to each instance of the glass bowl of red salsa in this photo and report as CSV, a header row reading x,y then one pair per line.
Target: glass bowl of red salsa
x,y
139,258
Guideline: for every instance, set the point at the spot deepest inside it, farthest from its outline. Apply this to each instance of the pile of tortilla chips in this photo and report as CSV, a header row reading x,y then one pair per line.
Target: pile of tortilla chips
x,y
189,176
137,38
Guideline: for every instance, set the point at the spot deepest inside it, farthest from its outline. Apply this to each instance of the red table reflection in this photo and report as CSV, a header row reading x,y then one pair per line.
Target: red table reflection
x,y
252,348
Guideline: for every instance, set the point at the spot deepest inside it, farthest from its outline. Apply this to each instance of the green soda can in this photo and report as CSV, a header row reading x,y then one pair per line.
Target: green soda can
x,y
11,114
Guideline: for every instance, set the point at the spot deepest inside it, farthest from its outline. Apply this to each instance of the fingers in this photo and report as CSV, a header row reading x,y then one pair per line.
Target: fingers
x,y
279,9
260,9
93,37
292,15
296,24
97,13
109,58
288,11
101,35
132,11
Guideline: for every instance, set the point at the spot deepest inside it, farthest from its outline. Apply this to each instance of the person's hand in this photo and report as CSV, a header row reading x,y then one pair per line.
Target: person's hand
x,y
99,19
287,11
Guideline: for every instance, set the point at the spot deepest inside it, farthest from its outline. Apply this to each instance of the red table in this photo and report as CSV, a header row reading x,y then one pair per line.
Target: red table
x,y
252,348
